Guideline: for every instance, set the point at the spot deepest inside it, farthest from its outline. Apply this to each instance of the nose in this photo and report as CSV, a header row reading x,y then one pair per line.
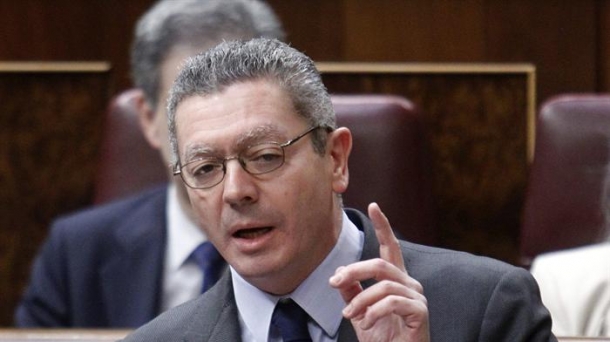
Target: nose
x,y
239,185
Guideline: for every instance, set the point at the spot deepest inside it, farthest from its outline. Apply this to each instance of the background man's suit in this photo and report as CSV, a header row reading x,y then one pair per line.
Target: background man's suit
x,y
103,266
469,299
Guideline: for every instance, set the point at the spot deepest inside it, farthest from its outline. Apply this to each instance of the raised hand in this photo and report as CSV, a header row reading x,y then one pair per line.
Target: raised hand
x,y
394,309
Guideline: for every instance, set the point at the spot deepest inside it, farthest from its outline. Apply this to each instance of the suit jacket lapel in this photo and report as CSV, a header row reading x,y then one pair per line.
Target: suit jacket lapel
x,y
131,280
216,320
371,245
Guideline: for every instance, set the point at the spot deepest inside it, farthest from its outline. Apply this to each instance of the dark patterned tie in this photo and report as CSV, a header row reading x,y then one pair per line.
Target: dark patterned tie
x,y
291,320
210,262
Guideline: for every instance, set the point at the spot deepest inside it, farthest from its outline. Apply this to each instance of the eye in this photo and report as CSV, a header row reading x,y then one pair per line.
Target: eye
x,y
264,154
204,168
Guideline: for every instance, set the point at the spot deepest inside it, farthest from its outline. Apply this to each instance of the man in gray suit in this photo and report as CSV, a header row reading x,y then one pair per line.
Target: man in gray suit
x,y
254,138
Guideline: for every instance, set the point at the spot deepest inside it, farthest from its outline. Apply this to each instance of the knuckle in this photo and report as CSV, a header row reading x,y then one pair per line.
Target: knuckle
x,y
386,286
380,264
395,301
417,286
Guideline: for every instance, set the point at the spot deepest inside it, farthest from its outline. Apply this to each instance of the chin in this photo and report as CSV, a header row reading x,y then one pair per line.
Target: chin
x,y
257,269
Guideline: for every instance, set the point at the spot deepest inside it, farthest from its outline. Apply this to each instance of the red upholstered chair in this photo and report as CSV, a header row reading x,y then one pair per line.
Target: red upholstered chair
x,y
128,164
565,200
386,165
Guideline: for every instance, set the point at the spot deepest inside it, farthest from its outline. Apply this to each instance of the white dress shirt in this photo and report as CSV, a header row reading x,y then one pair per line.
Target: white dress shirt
x,y
575,287
182,278
256,307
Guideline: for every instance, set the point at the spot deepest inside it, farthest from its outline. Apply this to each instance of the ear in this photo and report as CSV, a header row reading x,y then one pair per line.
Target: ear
x,y
147,118
340,146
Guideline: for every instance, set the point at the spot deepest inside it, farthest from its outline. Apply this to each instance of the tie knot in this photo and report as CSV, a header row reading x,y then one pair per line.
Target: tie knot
x,y
210,262
291,321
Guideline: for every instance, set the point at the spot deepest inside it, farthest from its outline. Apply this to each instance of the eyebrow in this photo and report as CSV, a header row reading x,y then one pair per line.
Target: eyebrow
x,y
267,133
258,134
195,150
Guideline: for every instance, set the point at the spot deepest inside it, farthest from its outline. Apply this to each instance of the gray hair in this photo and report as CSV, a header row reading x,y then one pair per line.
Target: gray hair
x,y
193,23
238,61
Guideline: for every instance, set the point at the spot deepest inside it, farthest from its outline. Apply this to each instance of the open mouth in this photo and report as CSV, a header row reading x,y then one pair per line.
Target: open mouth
x,y
252,233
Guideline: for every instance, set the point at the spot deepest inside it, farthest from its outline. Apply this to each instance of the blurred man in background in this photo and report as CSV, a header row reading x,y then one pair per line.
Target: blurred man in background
x,y
121,264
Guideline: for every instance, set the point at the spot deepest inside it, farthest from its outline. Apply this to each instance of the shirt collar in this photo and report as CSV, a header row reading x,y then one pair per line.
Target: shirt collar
x,y
183,235
256,307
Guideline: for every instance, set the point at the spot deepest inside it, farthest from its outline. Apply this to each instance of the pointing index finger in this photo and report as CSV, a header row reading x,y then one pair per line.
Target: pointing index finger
x,y
389,247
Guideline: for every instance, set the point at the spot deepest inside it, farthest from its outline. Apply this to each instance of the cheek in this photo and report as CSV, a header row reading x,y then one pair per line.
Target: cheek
x,y
201,206
312,188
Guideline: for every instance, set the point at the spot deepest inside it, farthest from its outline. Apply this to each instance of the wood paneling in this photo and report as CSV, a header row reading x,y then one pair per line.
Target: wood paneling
x,y
603,47
560,38
566,41
49,139
66,30
376,33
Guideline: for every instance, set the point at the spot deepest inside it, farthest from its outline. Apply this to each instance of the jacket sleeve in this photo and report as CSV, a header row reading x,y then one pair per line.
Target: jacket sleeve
x,y
515,311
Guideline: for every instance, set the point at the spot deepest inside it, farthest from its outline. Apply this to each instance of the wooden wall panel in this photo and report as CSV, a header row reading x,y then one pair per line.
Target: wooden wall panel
x,y
561,39
316,27
376,33
602,50
49,141
567,41
558,37
68,30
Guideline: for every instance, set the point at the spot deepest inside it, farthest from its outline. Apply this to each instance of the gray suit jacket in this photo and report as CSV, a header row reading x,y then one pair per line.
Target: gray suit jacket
x,y
469,299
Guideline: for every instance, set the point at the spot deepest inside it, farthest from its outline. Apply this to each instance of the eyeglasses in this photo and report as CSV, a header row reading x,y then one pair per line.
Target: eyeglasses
x,y
204,173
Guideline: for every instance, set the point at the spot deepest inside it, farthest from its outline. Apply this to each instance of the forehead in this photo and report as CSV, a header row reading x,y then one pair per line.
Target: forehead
x,y
240,114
